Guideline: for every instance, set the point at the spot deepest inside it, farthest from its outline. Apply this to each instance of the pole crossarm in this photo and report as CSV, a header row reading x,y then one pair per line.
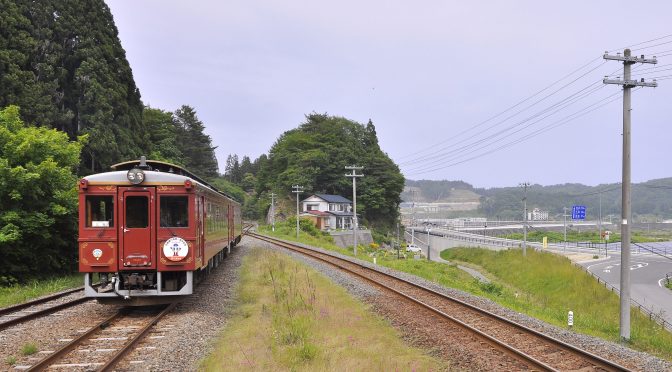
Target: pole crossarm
x,y
630,59
631,83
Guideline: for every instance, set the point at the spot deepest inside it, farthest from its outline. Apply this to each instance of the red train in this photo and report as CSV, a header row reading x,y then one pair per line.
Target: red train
x,y
149,230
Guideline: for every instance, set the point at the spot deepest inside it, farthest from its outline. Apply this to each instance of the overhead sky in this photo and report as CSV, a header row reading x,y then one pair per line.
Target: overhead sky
x,y
427,73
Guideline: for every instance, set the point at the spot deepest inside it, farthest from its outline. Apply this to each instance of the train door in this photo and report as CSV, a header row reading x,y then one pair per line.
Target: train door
x,y
137,235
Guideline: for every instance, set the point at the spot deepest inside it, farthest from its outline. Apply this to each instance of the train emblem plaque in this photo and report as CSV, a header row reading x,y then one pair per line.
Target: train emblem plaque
x,y
175,249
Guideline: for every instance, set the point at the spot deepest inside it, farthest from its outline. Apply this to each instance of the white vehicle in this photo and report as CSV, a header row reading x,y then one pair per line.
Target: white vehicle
x,y
413,248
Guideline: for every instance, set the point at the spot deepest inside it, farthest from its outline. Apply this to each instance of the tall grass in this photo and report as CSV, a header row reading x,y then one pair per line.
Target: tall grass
x,y
288,317
548,286
20,293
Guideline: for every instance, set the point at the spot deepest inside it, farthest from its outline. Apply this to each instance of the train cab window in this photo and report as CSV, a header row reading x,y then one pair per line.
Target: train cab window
x,y
100,211
137,212
174,211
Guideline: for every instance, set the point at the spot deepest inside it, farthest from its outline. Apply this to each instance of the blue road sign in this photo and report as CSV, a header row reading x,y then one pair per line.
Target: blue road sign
x,y
578,212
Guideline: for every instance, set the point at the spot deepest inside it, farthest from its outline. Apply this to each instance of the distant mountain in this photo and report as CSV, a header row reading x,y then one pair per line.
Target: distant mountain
x,y
651,200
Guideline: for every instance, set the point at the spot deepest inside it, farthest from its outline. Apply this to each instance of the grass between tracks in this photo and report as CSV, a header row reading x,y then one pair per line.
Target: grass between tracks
x,y
289,317
544,285
21,293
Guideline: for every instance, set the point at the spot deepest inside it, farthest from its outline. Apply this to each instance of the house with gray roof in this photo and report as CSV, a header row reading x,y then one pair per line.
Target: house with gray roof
x,y
329,212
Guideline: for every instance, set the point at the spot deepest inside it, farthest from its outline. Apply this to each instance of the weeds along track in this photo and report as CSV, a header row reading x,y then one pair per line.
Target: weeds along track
x,y
517,346
26,311
102,346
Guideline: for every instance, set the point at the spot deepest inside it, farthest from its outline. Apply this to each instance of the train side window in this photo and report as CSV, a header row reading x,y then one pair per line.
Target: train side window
x,y
174,211
100,211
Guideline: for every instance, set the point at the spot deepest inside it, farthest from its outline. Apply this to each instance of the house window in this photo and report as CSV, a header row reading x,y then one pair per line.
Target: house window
x,y
312,207
332,207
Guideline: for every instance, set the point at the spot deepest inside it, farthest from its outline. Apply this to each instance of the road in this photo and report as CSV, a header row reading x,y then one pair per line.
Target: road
x,y
647,276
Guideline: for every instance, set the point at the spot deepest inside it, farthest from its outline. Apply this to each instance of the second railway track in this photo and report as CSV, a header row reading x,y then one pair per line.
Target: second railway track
x,y
30,310
528,348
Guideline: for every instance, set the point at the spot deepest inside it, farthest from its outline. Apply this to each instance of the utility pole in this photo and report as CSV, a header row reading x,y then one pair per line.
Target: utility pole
x,y
428,247
525,185
297,190
564,215
273,211
398,241
354,176
627,83
600,220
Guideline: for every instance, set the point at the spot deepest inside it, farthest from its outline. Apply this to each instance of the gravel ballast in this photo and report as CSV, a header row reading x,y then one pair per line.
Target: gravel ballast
x,y
187,335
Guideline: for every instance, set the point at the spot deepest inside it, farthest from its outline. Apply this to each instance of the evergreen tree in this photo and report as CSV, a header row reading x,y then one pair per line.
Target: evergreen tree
x,y
62,61
163,139
196,146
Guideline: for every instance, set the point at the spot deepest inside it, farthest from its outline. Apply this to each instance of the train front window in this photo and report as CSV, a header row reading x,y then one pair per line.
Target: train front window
x,y
100,211
137,212
174,211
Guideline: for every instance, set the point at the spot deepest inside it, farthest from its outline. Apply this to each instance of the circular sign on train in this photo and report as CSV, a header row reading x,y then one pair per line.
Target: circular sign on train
x,y
175,249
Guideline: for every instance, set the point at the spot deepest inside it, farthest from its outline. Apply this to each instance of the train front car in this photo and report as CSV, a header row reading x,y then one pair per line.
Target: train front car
x,y
149,230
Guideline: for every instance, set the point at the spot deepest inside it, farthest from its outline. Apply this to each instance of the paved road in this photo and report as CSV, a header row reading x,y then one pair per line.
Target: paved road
x,y
647,274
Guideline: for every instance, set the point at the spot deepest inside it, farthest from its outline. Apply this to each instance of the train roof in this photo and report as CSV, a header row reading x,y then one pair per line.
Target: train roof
x,y
156,173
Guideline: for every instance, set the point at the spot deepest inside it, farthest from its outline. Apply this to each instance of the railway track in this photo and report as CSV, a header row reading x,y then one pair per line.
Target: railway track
x,y
535,350
26,311
102,346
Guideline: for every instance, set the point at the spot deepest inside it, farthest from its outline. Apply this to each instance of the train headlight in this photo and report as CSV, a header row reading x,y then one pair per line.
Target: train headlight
x,y
135,176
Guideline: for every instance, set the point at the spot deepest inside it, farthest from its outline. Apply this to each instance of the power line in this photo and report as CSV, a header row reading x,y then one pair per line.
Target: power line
x,y
643,42
508,109
426,157
467,149
533,134
566,101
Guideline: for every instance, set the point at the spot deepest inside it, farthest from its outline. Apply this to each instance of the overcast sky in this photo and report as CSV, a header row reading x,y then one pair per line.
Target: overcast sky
x,y
427,73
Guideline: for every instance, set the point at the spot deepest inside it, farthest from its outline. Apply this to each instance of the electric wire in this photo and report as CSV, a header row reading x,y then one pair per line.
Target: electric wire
x,y
533,134
506,110
641,43
562,105
425,157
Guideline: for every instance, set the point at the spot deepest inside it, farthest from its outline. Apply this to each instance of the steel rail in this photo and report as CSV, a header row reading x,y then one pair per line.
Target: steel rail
x,y
592,358
129,345
11,309
47,361
40,313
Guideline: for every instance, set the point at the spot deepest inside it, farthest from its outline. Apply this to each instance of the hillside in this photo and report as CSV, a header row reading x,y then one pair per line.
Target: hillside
x,y
651,200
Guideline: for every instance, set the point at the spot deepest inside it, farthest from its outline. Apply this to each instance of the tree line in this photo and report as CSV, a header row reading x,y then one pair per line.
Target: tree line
x,y
70,107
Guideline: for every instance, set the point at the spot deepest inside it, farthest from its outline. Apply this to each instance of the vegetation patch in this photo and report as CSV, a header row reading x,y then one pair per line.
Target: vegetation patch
x,y
29,349
17,294
547,286
289,317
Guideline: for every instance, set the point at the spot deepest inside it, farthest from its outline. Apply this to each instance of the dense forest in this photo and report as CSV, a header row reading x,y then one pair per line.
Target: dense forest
x,y
70,107
315,155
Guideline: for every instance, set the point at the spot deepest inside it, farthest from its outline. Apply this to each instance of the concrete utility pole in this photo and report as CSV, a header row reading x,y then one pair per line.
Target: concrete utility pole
x,y
429,229
564,215
297,190
525,185
273,211
354,176
627,83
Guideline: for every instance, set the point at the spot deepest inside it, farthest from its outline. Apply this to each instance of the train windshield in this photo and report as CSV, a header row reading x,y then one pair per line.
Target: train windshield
x,y
100,211
174,211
